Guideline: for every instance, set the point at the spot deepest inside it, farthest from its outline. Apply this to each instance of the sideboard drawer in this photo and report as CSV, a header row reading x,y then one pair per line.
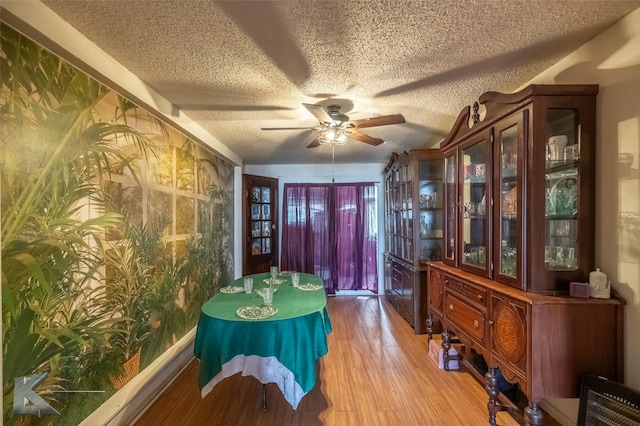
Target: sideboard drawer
x,y
469,319
475,294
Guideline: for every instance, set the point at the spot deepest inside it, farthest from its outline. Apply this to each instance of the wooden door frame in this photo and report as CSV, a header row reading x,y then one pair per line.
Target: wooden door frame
x,y
249,181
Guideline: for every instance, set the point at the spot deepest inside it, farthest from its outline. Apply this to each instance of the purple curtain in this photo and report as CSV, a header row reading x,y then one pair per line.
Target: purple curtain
x,y
331,230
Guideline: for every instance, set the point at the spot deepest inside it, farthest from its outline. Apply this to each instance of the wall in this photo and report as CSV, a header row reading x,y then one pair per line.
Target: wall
x,y
612,60
321,173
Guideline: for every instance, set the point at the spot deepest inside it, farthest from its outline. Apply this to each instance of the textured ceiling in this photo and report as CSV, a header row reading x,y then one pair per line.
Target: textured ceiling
x,y
237,66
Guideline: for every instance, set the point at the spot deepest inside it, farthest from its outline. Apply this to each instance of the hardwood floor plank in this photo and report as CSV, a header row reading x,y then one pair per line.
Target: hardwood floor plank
x,y
377,372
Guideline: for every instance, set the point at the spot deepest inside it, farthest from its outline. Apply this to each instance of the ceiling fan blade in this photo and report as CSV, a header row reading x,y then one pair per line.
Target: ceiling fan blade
x,y
319,112
378,121
314,144
363,137
288,128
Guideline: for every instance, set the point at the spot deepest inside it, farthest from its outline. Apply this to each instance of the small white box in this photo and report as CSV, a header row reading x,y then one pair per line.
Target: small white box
x,y
436,354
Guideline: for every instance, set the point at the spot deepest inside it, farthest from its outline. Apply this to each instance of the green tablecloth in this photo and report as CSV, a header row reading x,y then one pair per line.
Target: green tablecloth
x,y
281,349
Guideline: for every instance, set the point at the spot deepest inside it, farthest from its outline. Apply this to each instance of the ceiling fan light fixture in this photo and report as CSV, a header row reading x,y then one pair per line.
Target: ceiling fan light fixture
x,y
333,137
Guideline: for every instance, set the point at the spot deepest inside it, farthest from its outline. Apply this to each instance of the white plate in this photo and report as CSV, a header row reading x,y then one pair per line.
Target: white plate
x,y
308,287
256,312
275,281
231,289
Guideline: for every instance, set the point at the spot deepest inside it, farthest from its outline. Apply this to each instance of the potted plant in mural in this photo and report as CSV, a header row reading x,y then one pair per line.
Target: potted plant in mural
x,y
126,294
141,288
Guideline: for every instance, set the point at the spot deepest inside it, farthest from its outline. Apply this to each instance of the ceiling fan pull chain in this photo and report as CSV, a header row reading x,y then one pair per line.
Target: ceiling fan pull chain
x,y
333,164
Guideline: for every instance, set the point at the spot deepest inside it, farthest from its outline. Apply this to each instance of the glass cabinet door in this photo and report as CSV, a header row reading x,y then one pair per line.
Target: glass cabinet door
x,y
509,207
562,180
475,162
451,209
407,212
430,204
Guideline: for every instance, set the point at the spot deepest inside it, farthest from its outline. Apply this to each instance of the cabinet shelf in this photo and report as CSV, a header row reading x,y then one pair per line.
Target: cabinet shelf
x,y
561,217
552,166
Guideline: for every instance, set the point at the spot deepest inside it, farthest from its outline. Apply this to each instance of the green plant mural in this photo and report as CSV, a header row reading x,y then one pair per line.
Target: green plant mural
x,y
115,229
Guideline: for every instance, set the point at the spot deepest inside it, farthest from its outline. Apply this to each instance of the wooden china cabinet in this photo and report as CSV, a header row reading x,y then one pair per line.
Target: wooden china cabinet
x,y
519,224
413,230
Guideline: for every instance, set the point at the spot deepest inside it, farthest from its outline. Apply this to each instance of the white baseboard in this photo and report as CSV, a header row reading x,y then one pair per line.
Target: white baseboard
x,y
130,402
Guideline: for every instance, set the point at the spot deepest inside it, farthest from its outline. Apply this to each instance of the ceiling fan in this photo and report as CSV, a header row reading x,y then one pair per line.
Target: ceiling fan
x,y
335,127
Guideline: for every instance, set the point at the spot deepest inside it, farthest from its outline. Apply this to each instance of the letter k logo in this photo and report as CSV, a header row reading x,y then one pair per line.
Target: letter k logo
x,y
27,401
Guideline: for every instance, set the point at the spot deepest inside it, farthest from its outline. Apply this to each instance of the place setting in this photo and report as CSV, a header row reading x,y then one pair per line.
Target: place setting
x,y
295,279
231,289
258,312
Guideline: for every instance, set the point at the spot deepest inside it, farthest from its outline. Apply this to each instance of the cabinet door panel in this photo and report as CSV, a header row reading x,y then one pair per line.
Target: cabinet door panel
x,y
436,290
475,196
509,331
509,155
451,209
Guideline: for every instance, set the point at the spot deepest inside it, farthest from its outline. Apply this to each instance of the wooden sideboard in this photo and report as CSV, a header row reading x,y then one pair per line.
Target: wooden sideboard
x,y
544,343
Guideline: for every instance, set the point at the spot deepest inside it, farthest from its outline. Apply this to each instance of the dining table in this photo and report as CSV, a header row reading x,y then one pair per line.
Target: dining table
x,y
237,333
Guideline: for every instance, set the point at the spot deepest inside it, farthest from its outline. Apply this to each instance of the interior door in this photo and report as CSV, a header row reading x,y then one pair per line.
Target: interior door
x,y
259,231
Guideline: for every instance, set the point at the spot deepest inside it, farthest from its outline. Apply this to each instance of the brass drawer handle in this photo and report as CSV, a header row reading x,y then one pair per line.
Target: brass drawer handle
x,y
451,307
479,297
476,324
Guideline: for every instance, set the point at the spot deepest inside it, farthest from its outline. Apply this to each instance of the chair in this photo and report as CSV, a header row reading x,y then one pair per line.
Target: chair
x,y
606,402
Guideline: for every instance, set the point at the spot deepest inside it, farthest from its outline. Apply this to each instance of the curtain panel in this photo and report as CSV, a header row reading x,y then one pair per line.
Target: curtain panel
x,y
331,230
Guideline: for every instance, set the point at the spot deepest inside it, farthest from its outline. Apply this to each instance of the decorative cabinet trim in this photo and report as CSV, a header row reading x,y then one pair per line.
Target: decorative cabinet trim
x,y
436,290
477,295
509,331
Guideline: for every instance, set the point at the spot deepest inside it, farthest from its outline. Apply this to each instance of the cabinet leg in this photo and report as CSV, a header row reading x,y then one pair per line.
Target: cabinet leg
x,y
491,386
533,415
493,406
429,328
446,345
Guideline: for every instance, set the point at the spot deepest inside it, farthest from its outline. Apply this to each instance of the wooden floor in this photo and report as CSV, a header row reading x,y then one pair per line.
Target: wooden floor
x,y
377,372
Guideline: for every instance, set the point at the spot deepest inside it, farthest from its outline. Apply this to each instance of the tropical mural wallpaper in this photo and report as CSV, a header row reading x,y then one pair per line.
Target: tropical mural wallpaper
x,y
115,229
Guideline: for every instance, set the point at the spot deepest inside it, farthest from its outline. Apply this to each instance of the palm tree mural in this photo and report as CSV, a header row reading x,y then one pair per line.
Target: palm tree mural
x,y
67,251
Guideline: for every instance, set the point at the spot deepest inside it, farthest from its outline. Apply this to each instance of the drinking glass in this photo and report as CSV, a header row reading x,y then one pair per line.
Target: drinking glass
x,y
295,278
248,285
274,272
267,296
